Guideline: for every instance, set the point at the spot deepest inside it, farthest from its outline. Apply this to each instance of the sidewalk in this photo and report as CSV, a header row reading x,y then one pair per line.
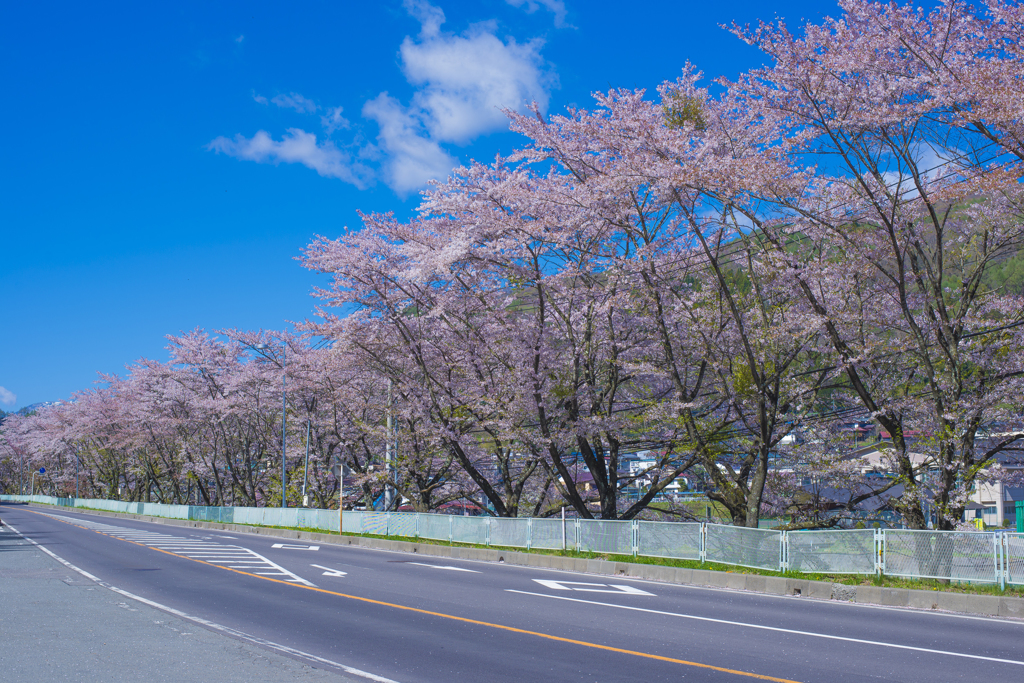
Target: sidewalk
x,y
56,625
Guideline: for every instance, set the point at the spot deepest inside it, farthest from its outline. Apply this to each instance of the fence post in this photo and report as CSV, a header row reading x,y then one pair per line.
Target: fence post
x,y
451,525
783,551
578,534
883,541
702,542
529,532
563,527
999,556
636,537
1006,560
487,531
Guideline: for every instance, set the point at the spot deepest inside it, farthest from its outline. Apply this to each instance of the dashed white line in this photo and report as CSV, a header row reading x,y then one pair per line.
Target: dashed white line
x,y
212,552
241,635
441,566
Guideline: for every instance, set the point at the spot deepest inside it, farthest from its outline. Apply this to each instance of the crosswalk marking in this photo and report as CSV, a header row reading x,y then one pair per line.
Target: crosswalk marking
x,y
222,555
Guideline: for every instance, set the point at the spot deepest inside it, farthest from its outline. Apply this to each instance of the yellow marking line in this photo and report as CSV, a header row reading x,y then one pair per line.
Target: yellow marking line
x,y
512,629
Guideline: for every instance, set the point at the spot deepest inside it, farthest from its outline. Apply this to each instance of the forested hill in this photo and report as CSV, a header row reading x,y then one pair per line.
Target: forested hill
x,y
1008,276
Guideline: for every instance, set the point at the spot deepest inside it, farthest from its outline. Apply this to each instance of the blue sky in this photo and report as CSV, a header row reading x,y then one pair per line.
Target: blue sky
x,y
165,163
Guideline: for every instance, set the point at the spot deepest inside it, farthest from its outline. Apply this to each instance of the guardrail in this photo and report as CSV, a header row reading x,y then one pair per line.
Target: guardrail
x,y
959,556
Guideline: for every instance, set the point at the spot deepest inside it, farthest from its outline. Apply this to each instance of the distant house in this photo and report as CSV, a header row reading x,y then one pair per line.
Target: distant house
x,y
874,460
995,503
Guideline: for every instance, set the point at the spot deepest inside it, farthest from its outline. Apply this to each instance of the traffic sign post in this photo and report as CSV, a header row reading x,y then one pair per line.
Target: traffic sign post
x,y
42,470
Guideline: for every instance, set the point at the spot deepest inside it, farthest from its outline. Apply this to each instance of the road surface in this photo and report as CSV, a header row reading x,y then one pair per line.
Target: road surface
x,y
375,615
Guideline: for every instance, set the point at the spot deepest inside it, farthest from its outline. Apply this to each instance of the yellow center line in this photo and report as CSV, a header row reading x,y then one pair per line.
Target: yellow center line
x,y
502,627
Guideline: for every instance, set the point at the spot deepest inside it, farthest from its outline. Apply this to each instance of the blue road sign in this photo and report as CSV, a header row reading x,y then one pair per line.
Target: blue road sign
x,y
42,470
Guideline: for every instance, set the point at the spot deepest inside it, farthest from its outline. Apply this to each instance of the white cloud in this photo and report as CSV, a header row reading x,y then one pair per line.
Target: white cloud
x,y
297,146
295,101
463,82
467,80
931,164
557,7
7,397
412,158
334,120
239,39
429,16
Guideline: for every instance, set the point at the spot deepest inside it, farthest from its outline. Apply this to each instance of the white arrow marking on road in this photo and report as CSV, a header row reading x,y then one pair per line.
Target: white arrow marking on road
x,y
288,546
441,566
591,587
330,572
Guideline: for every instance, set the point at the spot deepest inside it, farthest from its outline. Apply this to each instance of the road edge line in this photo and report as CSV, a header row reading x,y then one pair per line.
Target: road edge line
x,y
225,630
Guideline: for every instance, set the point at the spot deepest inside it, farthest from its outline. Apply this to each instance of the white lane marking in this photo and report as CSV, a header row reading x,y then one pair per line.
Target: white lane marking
x,y
592,587
441,566
211,552
241,635
774,628
292,546
330,572
231,537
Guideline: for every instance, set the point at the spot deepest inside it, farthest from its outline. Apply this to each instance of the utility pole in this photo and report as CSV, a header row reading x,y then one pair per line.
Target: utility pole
x,y
305,470
389,491
284,422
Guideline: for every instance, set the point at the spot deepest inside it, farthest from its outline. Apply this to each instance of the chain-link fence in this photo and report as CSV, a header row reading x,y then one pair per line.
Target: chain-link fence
x,y
472,530
759,548
963,556
510,532
553,534
952,555
852,551
1014,558
600,536
436,527
680,540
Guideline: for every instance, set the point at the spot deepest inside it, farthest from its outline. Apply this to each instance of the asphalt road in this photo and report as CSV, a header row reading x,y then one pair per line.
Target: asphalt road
x,y
401,617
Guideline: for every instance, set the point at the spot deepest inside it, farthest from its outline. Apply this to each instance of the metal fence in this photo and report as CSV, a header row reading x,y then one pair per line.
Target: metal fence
x,y
959,556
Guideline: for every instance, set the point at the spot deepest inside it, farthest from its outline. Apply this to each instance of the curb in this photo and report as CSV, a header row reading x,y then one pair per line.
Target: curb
x,y
984,605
